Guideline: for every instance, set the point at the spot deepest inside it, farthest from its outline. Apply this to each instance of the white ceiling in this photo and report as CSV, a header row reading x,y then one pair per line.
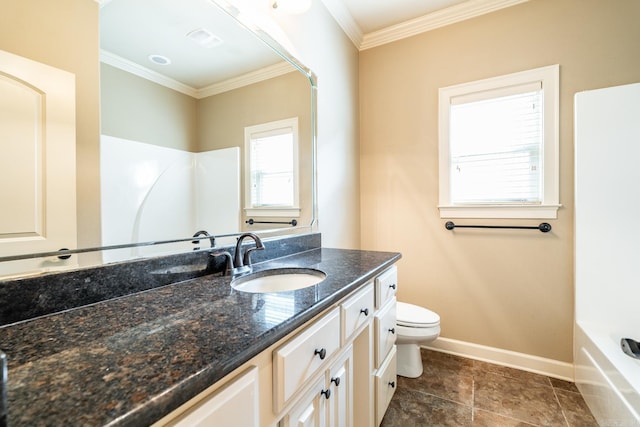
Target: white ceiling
x,y
131,30
373,15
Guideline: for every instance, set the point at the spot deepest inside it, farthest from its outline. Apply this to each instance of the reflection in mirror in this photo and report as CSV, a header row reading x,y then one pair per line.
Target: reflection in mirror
x,y
180,84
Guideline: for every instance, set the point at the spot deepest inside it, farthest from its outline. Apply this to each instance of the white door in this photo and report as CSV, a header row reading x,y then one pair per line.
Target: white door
x,y
37,162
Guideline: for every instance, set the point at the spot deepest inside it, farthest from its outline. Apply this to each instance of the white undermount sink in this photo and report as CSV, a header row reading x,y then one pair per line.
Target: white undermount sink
x,y
278,280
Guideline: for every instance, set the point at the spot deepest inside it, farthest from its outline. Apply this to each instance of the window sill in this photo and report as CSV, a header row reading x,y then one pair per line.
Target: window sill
x,y
273,212
500,211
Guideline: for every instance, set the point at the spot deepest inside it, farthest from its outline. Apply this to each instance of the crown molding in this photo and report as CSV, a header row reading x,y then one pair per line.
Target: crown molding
x,y
146,73
265,73
431,21
343,17
257,76
451,15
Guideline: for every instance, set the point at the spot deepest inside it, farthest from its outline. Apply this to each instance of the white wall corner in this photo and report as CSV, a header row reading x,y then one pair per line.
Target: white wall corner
x,y
511,359
345,20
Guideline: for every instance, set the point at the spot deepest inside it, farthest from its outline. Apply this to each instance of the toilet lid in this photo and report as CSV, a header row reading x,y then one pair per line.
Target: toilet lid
x,y
415,316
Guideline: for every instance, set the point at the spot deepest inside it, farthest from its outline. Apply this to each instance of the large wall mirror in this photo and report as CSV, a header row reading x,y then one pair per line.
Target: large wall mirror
x,y
198,109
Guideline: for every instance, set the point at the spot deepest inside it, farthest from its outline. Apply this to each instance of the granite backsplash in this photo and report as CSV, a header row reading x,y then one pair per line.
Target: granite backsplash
x,y
30,297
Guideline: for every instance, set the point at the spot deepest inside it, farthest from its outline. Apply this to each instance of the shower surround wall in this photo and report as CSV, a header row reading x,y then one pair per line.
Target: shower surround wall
x,y
174,194
607,135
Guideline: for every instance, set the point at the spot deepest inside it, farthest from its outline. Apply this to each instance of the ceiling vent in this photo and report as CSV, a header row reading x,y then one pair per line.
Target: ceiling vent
x,y
204,38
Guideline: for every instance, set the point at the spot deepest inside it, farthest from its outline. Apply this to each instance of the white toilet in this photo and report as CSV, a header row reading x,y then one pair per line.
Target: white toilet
x,y
414,326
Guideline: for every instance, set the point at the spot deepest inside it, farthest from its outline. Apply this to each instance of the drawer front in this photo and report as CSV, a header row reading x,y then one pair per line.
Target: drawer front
x,y
302,356
386,286
356,311
386,382
385,331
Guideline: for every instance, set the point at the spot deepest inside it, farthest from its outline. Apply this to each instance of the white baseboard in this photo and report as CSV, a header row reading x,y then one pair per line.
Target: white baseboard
x,y
512,359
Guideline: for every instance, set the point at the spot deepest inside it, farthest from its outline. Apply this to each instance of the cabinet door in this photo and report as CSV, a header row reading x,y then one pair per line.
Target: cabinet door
x,y
236,404
311,409
307,417
341,386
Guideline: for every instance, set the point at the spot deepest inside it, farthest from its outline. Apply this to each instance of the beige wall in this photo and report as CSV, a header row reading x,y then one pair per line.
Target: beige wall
x,y
507,289
64,34
139,110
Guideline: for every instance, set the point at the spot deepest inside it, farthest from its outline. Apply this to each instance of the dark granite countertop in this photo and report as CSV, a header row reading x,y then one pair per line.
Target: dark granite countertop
x,y
131,360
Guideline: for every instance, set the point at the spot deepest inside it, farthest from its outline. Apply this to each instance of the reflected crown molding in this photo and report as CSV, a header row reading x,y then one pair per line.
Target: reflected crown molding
x,y
262,74
343,17
431,21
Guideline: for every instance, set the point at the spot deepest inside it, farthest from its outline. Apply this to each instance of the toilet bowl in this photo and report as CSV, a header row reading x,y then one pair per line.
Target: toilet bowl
x,y
414,326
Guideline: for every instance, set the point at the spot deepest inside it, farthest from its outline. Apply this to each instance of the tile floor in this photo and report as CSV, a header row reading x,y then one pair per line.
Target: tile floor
x,y
455,391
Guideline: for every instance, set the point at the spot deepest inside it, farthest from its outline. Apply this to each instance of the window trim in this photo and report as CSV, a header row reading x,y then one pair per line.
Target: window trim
x,y
272,211
549,77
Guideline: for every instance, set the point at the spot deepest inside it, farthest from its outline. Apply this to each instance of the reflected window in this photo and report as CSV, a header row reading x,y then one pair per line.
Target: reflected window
x,y
278,308
271,168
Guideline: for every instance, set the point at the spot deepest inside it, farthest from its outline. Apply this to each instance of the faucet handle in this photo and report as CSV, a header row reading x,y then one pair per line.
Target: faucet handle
x,y
247,254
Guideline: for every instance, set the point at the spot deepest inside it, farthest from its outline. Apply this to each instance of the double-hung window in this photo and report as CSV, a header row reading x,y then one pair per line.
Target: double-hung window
x,y
271,169
499,147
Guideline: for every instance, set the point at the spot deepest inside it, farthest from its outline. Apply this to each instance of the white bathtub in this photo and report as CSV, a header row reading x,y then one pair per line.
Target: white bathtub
x,y
608,379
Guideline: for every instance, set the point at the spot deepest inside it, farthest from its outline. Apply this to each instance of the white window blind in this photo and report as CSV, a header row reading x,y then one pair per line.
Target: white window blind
x,y
499,146
272,168
496,146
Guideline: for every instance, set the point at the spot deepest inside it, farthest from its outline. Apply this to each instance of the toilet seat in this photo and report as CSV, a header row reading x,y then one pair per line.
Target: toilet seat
x,y
413,316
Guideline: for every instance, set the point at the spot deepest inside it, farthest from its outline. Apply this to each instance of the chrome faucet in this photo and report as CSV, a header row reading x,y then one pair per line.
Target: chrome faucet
x,y
212,239
240,264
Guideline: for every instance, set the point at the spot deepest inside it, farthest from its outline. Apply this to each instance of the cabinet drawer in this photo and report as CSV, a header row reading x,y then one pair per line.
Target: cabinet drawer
x,y
386,381
385,331
301,357
386,286
356,311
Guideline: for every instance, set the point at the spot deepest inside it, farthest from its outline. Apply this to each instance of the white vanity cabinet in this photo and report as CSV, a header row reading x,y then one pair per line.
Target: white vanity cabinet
x,y
338,370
